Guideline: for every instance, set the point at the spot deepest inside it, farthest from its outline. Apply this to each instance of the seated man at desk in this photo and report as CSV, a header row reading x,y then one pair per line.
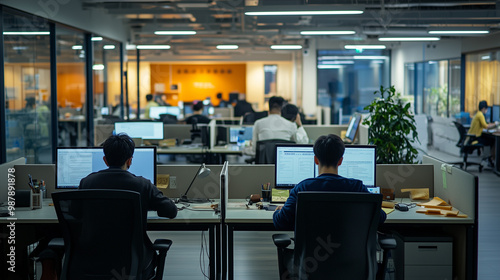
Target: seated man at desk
x,y
476,128
197,116
118,153
328,155
274,126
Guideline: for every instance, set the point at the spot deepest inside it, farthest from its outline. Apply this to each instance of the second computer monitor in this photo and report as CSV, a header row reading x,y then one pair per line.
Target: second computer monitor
x,y
495,113
144,130
295,163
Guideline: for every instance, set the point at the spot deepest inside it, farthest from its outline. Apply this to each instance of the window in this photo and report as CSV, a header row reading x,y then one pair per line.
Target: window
x,y
347,80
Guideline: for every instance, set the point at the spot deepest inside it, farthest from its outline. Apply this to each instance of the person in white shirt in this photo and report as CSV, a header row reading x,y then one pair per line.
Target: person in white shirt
x,y
274,126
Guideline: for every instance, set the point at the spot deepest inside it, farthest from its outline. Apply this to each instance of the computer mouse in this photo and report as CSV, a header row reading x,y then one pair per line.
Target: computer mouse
x,y
401,207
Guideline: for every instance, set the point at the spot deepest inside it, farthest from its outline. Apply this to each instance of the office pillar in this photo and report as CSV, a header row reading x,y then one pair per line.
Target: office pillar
x,y
3,135
53,90
89,105
138,52
122,105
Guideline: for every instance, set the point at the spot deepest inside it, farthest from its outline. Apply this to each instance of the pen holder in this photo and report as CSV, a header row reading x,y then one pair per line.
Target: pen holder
x,y
36,200
266,195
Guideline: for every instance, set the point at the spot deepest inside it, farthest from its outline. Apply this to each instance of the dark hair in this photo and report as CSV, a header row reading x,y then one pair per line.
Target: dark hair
x,y
289,112
198,106
483,104
219,95
118,149
149,97
276,102
329,149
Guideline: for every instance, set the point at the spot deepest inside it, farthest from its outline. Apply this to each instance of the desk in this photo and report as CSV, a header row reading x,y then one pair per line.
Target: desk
x,y
194,149
496,134
239,219
186,220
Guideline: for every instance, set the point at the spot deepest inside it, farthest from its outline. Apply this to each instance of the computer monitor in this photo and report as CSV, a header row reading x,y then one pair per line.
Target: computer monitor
x,y
495,113
234,131
352,128
155,112
104,111
144,130
487,115
295,163
74,164
244,133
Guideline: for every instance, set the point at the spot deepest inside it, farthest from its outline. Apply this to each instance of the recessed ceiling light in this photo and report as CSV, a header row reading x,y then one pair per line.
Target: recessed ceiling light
x,y
167,32
227,47
96,39
28,33
98,67
286,47
153,47
409,39
77,47
459,32
365,47
328,66
303,13
333,32
109,47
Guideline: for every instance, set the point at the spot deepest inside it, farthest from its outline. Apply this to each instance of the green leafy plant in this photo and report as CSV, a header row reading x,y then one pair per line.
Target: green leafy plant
x,y
392,128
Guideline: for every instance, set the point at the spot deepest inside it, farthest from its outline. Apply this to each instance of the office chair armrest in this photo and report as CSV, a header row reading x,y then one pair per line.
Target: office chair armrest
x,y
387,243
281,240
56,243
162,245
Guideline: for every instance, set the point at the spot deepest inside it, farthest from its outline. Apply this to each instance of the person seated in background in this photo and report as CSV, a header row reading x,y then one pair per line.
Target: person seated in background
x,y
274,126
242,107
222,103
197,114
151,103
328,155
476,128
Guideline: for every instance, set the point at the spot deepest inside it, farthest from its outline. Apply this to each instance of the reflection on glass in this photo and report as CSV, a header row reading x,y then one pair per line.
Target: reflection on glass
x,y
348,78
436,88
482,79
270,79
455,80
71,88
27,89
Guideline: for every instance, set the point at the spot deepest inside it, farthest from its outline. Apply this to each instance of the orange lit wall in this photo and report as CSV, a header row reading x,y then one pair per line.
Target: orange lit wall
x,y
70,84
196,82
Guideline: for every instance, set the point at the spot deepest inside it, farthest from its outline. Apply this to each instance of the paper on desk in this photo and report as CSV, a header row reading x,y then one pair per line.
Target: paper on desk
x,y
418,194
236,205
388,210
162,181
436,203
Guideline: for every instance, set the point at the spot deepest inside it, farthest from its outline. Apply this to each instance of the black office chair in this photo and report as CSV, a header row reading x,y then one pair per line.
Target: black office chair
x,y
335,238
250,118
103,233
168,118
467,144
265,150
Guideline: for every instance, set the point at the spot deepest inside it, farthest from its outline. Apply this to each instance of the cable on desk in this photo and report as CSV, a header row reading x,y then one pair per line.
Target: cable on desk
x,y
203,255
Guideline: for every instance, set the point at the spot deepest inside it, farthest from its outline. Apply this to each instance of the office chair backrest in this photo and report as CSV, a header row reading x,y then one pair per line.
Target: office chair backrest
x,y
103,233
335,235
250,118
462,133
264,152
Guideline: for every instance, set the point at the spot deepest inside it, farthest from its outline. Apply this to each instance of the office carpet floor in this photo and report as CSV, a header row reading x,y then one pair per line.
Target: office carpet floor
x,y
255,254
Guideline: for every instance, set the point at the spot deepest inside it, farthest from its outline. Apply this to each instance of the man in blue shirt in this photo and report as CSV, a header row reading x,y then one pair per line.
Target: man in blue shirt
x,y
328,155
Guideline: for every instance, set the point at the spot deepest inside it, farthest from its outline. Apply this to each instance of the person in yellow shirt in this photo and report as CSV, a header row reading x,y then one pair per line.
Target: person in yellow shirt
x,y
476,128
151,103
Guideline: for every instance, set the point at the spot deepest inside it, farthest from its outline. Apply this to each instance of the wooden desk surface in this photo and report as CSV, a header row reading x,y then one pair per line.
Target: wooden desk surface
x,y
47,215
253,215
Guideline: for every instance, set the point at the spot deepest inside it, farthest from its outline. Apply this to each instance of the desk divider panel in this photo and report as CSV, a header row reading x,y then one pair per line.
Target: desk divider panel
x,y
402,176
4,167
245,180
102,132
459,188
46,172
315,131
208,187
362,138
178,131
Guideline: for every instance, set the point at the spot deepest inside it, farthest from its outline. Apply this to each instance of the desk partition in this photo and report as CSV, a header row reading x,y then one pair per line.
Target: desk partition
x,y
4,167
315,131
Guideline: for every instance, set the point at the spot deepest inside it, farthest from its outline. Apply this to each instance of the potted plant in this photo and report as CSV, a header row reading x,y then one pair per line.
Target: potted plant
x,y
391,127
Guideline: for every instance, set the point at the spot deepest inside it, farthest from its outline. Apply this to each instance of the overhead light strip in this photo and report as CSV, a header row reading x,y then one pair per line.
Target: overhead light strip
x,y
227,47
286,47
109,47
153,47
187,32
26,33
365,47
458,32
303,13
409,39
96,39
332,32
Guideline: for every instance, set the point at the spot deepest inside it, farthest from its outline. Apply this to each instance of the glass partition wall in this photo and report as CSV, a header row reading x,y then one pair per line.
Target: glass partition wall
x,y
46,66
27,88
